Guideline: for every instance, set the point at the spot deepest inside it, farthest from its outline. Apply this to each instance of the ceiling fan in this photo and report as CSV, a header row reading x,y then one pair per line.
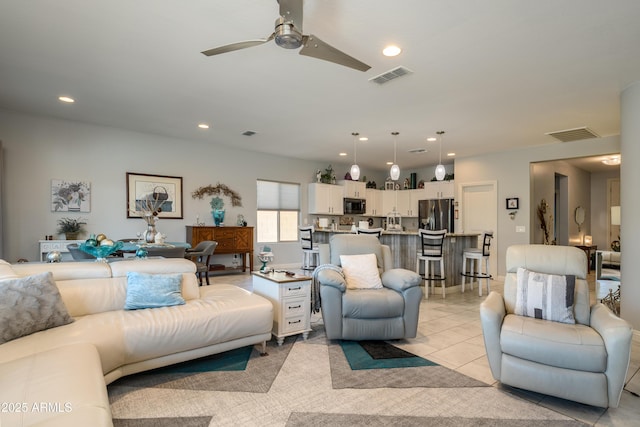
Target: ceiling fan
x,y
288,34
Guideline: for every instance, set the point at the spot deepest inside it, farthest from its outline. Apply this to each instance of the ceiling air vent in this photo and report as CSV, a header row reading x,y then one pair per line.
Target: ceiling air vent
x,y
573,134
390,75
417,150
248,133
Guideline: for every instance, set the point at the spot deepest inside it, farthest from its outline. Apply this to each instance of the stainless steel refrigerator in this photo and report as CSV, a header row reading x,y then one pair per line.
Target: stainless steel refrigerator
x,y
436,214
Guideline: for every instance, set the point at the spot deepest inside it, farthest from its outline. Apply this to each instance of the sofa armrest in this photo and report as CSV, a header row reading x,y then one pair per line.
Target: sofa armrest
x,y
400,279
332,278
492,313
616,334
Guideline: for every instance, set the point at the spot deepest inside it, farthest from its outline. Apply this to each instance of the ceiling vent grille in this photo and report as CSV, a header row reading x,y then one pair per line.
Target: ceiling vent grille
x,y
248,133
573,134
390,75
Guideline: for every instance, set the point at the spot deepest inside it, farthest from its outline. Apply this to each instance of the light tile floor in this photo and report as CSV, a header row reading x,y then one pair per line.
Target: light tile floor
x,y
449,333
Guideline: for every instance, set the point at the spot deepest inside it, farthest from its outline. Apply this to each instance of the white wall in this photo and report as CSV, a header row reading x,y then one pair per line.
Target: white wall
x,y
511,170
37,150
579,194
599,208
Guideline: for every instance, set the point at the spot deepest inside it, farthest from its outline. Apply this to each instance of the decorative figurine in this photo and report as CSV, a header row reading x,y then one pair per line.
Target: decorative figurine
x,y
54,256
318,176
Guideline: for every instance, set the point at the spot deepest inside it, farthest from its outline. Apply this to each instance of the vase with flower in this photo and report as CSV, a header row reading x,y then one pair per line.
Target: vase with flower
x,y
149,209
217,210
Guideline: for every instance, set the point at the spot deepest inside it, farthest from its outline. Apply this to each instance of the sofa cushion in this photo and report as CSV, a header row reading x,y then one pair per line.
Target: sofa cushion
x,y
372,303
30,304
571,346
153,290
545,296
361,271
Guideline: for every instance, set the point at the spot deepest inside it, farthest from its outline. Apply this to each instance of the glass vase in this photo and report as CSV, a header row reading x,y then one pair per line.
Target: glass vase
x,y
150,234
218,217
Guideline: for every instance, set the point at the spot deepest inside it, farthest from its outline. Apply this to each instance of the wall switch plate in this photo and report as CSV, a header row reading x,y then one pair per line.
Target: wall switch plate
x,y
520,229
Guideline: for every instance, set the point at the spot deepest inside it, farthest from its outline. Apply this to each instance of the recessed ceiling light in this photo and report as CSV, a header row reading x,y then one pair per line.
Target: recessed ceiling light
x,y
451,154
612,161
389,163
203,126
66,99
343,154
363,138
432,138
391,50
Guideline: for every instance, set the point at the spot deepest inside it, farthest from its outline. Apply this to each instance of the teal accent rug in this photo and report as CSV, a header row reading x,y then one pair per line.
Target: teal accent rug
x,y
380,355
233,360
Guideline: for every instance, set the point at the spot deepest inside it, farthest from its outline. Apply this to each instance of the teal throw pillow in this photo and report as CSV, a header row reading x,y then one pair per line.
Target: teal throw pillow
x,y
153,290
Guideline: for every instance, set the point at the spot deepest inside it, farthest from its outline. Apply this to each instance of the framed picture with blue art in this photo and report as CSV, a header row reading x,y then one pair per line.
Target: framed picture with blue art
x,y
70,196
159,194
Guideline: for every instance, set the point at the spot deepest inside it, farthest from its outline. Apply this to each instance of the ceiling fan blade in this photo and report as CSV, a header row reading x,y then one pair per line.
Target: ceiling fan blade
x,y
316,48
291,10
237,46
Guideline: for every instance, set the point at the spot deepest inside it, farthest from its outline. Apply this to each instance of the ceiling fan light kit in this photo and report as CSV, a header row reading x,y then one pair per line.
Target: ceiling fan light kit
x,y
288,34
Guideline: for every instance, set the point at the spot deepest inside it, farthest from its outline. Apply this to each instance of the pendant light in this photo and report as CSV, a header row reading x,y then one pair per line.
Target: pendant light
x,y
394,172
355,169
440,171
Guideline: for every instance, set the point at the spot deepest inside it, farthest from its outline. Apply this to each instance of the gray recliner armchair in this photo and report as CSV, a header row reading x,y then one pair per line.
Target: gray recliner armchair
x,y
367,314
585,362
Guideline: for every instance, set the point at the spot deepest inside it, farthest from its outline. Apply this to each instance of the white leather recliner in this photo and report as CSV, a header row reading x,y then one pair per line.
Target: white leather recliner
x,y
585,362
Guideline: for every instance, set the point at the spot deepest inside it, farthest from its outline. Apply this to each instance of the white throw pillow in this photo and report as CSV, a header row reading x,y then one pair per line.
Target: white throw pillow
x,y
361,271
545,296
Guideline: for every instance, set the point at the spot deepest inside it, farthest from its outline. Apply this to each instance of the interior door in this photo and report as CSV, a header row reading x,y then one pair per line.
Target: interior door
x,y
479,213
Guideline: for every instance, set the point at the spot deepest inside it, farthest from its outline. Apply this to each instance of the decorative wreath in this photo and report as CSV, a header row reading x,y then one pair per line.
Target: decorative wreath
x,y
218,189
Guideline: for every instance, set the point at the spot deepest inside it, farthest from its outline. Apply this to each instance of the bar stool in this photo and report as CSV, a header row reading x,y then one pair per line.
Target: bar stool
x,y
310,251
373,231
475,256
431,244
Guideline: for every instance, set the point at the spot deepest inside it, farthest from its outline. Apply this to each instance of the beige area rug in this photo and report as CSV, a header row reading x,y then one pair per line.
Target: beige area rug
x,y
295,386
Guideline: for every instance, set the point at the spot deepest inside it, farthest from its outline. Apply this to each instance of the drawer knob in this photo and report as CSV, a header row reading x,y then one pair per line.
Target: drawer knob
x,y
295,289
297,321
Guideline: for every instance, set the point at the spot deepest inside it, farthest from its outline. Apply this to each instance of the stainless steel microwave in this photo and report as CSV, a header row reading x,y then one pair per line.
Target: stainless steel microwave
x,y
354,206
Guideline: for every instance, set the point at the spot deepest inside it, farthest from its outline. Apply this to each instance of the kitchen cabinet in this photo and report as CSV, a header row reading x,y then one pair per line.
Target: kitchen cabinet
x,y
326,199
354,189
439,190
404,201
374,202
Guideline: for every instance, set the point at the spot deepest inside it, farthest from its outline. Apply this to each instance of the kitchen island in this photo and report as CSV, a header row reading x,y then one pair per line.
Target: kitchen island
x,y
405,245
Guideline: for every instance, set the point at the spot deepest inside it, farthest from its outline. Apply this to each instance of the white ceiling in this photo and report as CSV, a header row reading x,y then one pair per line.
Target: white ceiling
x,y
494,74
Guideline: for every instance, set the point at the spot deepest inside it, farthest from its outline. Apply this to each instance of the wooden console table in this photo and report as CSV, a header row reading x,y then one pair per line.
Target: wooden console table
x,y
231,240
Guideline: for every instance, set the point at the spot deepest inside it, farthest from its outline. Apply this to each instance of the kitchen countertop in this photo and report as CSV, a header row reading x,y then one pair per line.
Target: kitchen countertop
x,y
406,232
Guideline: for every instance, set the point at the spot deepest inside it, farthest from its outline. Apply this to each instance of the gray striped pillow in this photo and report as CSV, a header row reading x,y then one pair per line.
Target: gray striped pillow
x,y
545,296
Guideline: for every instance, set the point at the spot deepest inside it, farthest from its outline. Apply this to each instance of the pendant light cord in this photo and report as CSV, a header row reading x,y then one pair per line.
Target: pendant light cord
x,y
440,133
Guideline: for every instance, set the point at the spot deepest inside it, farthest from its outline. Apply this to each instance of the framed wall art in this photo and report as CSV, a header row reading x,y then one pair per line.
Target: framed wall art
x,y
70,196
159,192
512,203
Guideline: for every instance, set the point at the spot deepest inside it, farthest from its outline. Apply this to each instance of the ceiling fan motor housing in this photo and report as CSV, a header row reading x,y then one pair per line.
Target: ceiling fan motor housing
x,y
286,34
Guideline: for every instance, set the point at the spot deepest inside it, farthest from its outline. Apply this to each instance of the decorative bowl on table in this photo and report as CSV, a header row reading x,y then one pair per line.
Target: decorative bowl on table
x,y
101,252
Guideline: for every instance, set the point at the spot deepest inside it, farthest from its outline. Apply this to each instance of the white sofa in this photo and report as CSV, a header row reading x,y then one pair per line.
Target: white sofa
x,y
58,377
